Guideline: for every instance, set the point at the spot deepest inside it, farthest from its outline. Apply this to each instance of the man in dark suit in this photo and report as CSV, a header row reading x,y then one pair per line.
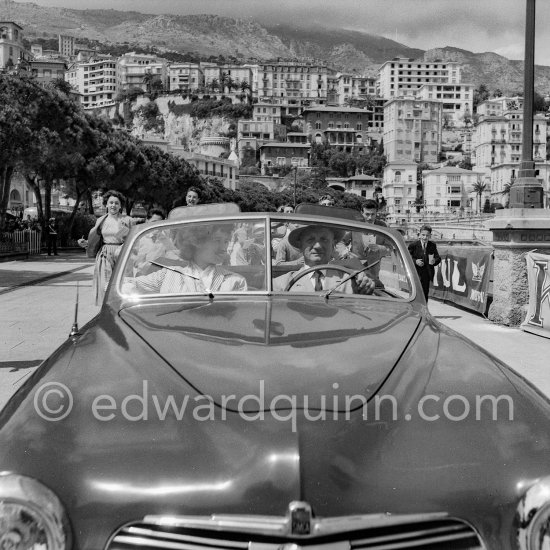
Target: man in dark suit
x,y
316,243
425,256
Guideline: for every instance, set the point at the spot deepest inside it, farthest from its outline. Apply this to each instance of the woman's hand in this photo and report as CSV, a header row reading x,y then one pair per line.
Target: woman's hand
x,y
82,242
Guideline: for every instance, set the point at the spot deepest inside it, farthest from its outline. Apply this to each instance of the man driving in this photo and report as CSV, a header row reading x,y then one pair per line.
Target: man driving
x,y
316,243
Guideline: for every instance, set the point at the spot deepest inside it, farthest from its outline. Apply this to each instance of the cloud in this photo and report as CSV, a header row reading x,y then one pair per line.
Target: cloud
x,y
474,25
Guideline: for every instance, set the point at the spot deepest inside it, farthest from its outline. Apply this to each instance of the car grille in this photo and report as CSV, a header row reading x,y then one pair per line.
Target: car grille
x,y
448,534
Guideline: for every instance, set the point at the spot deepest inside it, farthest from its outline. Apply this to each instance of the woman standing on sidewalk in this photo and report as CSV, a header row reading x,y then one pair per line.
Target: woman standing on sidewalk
x,y
114,228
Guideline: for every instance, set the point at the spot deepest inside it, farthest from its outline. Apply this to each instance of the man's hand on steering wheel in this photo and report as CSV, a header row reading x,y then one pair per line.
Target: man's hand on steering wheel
x,y
362,284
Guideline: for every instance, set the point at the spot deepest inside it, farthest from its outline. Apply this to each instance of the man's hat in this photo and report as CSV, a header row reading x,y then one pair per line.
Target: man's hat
x,y
295,236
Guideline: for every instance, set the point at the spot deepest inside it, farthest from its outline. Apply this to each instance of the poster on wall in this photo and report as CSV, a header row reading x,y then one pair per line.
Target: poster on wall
x,y
463,276
537,320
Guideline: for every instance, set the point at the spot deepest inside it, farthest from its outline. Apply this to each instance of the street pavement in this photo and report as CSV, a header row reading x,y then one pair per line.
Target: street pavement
x,y
37,304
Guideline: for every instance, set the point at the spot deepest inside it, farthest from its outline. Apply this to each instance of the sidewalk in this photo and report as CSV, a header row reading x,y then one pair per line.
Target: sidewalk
x,y
36,269
526,353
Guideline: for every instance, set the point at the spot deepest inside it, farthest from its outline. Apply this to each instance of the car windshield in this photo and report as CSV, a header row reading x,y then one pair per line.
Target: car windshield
x,y
237,256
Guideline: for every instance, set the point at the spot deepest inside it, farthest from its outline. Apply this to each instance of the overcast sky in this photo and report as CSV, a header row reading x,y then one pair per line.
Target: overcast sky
x,y
474,25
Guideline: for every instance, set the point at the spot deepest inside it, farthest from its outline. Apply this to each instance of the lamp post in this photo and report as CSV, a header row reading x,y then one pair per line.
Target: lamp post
x,y
526,224
295,165
527,191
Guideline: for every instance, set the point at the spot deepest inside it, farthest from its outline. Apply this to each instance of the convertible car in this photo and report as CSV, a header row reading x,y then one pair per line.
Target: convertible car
x,y
262,381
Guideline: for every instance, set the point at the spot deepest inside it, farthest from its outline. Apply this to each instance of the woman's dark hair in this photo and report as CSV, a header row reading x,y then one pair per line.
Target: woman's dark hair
x,y
370,204
113,193
156,212
195,189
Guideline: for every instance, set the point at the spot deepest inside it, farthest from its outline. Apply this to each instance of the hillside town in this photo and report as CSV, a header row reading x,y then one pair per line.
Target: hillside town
x,y
421,114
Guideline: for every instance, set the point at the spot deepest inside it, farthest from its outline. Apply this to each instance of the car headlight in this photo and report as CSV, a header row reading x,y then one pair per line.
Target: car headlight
x,y
533,517
31,516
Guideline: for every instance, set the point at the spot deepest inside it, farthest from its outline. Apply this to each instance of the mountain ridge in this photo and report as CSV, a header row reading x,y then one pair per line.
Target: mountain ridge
x,y
212,35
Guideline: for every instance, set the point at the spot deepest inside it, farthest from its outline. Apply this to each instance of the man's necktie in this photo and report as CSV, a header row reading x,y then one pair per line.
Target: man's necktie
x,y
318,283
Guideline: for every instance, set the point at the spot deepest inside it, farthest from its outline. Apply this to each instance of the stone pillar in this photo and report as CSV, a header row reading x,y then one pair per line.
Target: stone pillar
x,y
516,231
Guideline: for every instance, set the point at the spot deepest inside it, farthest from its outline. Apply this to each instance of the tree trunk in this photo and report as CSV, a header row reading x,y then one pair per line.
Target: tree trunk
x,y
70,223
6,173
90,201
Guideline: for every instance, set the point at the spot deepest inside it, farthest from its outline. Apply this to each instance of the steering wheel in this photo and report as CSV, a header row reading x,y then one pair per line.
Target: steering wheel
x,y
332,267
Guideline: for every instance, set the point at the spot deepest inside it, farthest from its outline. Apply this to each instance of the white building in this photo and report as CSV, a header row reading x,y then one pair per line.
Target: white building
x,y
133,71
94,81
449,190
399,189
12,50
412,129
292,84
185,76
497,140
457,100
345,87
403,76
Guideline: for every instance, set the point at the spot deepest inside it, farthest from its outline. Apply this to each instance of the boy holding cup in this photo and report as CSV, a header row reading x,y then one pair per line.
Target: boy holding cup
x,y
425,256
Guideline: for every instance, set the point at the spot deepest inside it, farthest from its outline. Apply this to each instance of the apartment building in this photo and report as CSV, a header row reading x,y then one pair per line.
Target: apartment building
x,y
66,45
399,189
403,76
363,185
346,128
267,111
497,140
185,77
449,189
45,70
12,50
412,129
133,71
284,154
237,74
344,87
94,81
457,101
291,85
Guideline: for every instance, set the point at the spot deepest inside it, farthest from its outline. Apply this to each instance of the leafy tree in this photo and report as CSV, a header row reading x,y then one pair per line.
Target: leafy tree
x,y
481,94
466,163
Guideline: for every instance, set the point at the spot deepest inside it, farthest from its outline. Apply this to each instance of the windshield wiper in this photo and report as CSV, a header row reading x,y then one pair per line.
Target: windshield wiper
x,y
178,269
346,279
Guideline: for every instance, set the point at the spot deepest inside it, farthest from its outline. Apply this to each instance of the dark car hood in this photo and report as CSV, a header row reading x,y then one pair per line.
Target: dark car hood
x,y
278,347
127,461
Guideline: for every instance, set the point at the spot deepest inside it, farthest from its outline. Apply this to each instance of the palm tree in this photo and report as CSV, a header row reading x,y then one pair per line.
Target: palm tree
x,y
245,88
230,83
506,193
479,189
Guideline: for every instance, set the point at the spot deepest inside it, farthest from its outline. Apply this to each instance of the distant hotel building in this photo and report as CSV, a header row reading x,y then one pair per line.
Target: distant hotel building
x,y
344,128
412,129
12,50
94,82
402,76
66,45
497,144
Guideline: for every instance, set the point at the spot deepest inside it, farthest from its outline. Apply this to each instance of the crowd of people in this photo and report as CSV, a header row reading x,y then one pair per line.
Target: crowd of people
x,y
16,223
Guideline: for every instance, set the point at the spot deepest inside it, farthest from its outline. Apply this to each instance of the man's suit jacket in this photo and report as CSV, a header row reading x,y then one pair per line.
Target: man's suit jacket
x,y
305,284
417,253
